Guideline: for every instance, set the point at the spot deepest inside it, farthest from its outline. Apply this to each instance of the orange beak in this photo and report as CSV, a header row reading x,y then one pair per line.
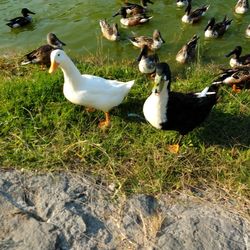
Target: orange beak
x,y
53,66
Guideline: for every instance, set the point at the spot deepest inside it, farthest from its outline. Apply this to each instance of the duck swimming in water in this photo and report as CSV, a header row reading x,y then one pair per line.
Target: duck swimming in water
x,y
248,31
153,43
195,15
132,20
41,55
182,112
241,7
21,20
238,60
91,91
181,3
134,9
110,32
214,30
188,51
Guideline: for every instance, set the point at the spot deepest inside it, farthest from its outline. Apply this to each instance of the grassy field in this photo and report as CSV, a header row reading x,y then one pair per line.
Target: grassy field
x,y
40,130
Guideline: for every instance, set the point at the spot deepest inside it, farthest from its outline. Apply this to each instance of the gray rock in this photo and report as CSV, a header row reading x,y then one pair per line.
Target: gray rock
x,y
69,211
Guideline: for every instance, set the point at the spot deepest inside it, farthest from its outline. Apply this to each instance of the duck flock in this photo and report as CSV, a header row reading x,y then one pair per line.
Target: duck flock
x,y
163,109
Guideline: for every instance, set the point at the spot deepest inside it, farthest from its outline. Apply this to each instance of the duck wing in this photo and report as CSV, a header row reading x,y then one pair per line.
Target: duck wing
x,y
40,55
21,21
187,111
198,13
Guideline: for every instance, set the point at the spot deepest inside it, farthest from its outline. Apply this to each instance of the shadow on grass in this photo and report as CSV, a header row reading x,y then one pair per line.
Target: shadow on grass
x,y
223,129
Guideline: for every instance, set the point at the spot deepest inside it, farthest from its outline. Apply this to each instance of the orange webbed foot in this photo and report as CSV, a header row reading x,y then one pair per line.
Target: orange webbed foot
x,y
174,148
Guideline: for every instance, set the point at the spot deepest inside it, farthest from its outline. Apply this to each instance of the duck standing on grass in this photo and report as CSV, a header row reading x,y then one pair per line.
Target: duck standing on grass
x,y
41,55
91,91
237,60
187,52
21,20
238,78
195,15
214,30
168,110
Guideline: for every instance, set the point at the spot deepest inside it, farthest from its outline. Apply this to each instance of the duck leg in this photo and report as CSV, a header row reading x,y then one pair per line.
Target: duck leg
x,y
174,148
235,89
90,109
106,122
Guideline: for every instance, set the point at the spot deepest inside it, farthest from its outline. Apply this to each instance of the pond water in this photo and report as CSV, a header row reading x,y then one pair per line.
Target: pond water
x,y
77,24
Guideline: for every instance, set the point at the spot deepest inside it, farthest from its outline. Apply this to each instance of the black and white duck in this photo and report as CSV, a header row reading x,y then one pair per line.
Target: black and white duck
x,y
21,20
182,112
241,7
195,15
41,55
214,30
188,51
238,78
238,60
147,62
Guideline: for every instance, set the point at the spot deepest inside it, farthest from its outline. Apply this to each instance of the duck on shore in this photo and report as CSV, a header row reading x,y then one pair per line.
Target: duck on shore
x,y
147,62
41,55
91,91
238,78
182,112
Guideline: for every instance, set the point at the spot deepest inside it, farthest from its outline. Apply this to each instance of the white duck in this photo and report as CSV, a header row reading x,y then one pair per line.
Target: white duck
x,y
89,90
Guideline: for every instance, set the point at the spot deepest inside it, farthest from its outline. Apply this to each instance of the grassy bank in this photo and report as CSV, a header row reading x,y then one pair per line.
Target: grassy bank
x,y
40,130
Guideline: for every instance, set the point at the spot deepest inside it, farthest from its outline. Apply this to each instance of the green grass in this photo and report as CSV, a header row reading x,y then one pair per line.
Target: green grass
x,y
40,130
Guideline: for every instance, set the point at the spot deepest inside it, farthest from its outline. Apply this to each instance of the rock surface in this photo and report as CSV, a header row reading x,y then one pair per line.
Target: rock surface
x,y
67,211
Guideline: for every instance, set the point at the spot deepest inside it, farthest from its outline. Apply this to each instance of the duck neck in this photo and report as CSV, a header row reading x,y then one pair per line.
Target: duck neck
x,y
71,74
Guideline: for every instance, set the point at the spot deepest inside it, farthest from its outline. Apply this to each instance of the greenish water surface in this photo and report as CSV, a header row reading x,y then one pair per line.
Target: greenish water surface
x,y
77,24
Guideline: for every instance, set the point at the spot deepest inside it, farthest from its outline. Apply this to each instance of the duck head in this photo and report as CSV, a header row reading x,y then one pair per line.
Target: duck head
x,y
189,7
157,36
162,78
122,12
144,3
26,11
237,51
54,41
57,57
210,24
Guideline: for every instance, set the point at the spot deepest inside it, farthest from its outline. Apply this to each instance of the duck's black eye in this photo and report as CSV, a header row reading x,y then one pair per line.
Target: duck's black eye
x,y
58,54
